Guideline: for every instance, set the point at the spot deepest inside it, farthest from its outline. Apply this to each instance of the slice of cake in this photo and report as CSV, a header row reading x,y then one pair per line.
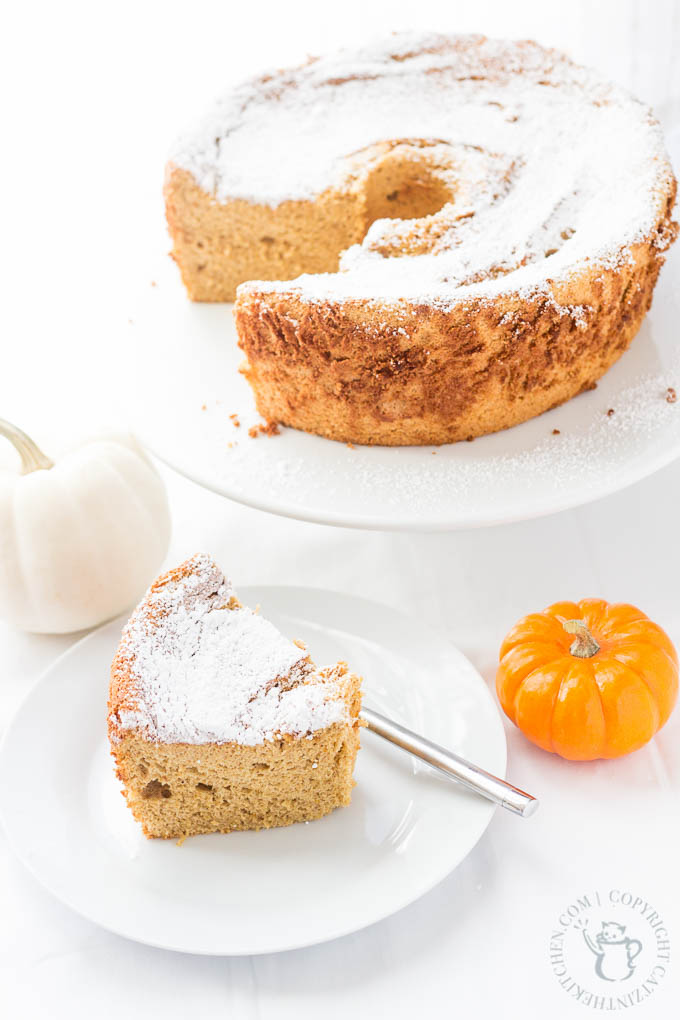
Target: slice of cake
x,y
217,722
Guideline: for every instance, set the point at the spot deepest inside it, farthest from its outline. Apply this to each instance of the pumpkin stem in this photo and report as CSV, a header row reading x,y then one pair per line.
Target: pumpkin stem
x,y
584,645
32,457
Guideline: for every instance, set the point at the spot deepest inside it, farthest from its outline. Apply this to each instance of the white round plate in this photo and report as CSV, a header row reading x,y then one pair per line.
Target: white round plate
x,y
255,892
186,384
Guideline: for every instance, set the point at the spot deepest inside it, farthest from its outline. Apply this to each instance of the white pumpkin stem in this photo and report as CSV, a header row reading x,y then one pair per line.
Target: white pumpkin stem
x,y
584,645
32,457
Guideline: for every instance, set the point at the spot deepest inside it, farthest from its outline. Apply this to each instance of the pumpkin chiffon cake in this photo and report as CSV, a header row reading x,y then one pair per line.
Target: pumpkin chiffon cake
x,y
217,722
429,238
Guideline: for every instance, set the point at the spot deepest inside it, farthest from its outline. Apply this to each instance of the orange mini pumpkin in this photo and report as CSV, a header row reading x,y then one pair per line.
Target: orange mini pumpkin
x,y
588,679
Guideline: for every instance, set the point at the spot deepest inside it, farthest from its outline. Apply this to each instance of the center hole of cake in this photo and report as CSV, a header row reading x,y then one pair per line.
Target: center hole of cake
x,y
405,186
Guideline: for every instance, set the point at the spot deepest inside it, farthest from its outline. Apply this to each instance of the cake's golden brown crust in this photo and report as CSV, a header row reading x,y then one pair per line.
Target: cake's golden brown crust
x,y
440,377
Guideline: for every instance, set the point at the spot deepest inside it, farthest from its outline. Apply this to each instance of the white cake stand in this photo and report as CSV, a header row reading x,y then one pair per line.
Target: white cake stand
x,y
186,386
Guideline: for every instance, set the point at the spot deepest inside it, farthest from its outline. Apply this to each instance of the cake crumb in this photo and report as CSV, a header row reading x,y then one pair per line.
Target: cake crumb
x,y
268,429
556,432
204,407
610,412
153,283
350,446
671,395
235,420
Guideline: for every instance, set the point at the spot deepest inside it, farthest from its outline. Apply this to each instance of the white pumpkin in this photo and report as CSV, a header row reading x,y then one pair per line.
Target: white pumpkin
x,y
80,539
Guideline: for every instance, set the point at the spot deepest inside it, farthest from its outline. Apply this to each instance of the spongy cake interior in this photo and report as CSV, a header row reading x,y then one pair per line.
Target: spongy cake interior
x,y
183,789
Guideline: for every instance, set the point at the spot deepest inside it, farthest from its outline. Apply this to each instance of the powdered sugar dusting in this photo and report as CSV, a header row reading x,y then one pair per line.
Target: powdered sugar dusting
x,y
553,166
417,484
206,670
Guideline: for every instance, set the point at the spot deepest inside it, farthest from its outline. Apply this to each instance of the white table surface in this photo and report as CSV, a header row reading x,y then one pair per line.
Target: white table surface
x,y
94,96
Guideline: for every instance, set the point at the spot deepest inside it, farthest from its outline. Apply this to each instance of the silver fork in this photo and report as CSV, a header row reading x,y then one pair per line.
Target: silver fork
x,y
451,765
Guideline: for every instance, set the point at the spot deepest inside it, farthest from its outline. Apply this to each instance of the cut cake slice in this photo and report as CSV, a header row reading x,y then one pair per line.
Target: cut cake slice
x,y
217,722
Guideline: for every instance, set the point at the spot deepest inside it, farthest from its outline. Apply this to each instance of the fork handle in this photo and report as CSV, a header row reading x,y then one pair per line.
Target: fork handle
x,y
451,765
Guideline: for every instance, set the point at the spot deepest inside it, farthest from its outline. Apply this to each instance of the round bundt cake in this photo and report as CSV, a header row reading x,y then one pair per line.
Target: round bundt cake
x,y
460,233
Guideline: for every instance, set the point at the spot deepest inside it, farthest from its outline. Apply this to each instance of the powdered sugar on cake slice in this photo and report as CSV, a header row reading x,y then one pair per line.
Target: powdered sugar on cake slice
x,y
203,669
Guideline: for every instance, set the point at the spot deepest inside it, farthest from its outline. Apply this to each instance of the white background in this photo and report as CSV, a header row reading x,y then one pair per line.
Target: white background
x,y
93,94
